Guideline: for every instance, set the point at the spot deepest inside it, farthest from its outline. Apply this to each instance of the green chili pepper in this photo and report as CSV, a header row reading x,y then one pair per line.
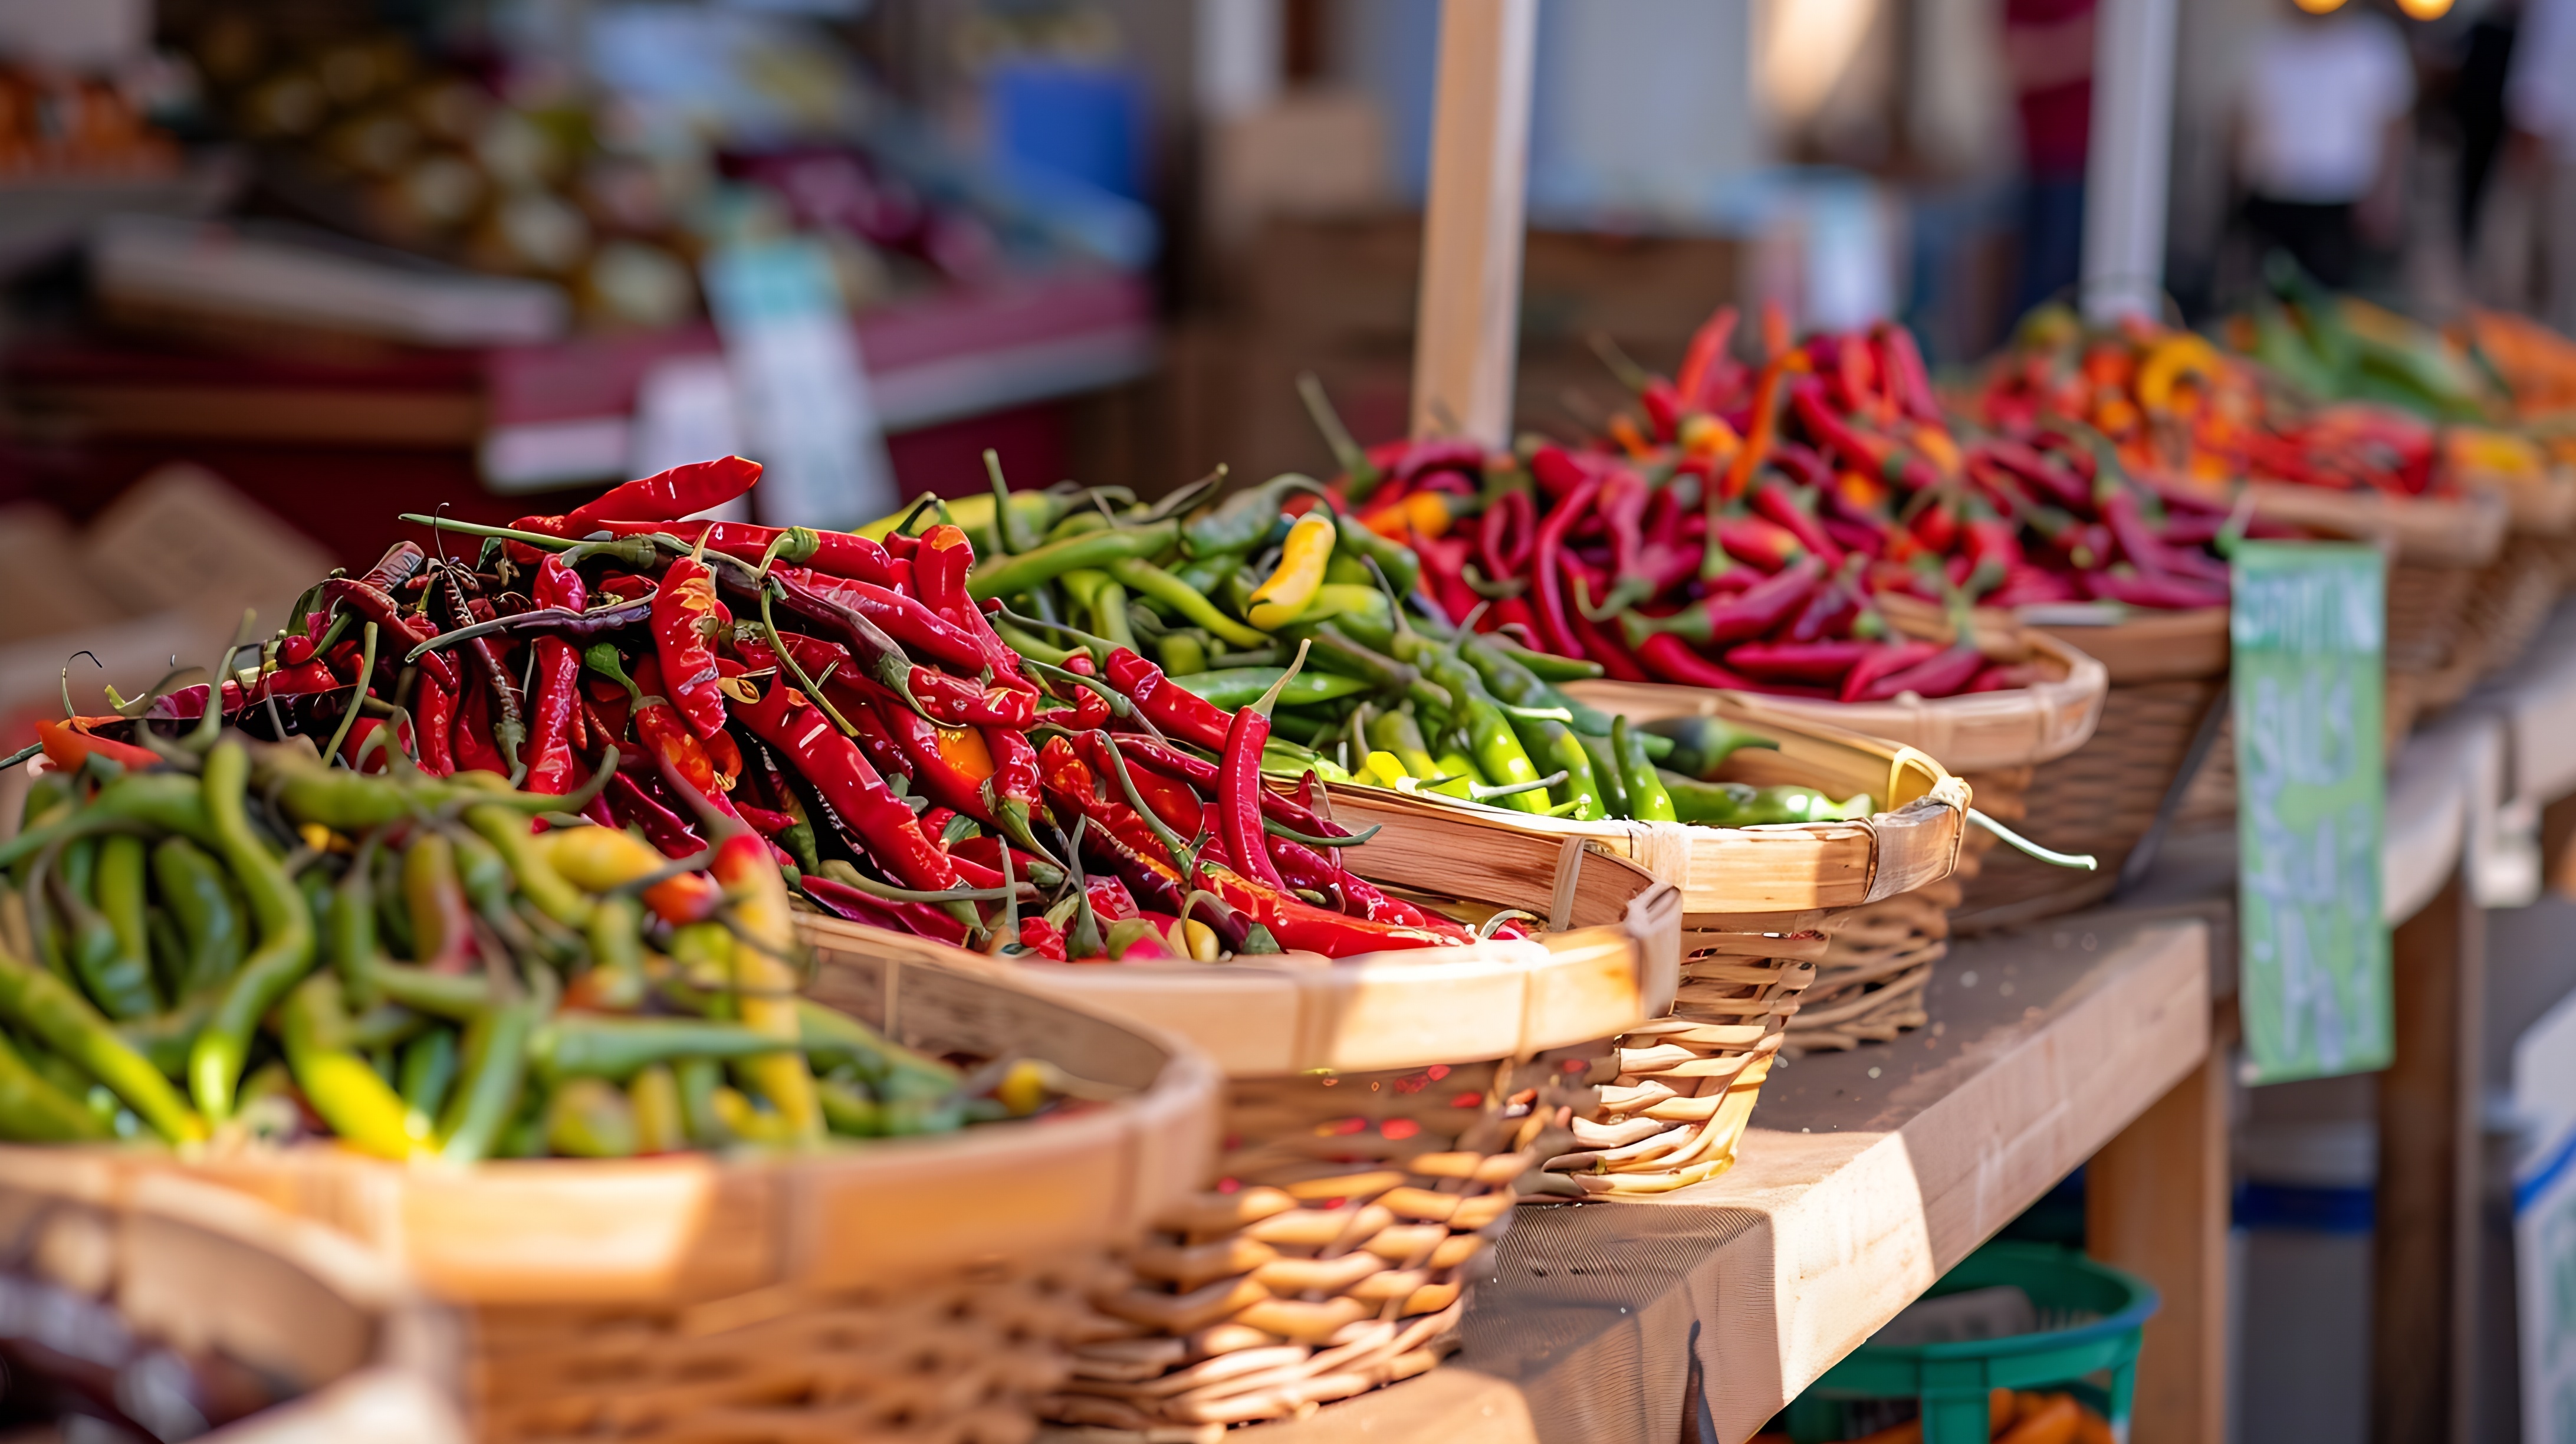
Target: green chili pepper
x,y
49,799
1181,653
428,1072
387,1025
617,950
1555,747
485,877
1236,687
1109,613
849,1112
1155,584
1206,575
1239,522
1511,682
119,982
201,897
507,831
891,1069
1701,745
493,1069
460,996
169,801
590,1118
169,950
361,1108
285,931
1545,666
699,1080
1011,576
1648,799
1607,775
393,916
606,1046
1397,733
33,1110
1402,567
48,1008
352,919
121,892
165,1038
1490,740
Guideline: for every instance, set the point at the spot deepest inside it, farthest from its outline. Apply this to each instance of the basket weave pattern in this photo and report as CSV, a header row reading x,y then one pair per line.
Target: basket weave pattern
x,y
1334,1254
958,1360
2501,613
1878,959
1686,1083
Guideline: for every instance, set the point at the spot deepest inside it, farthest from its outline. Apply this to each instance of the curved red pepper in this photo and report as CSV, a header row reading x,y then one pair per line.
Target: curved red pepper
x,y
1798,661
939,569
1888,660
1547,587
1174,710
377,607
832,764
1672,660
682,491
1704,362
920,919
435,726
903,618
553,706
70,743
1239,792
1301,926
684,630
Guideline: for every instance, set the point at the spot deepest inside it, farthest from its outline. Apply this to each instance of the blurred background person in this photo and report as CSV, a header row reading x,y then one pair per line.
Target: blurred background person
x,y
2322,132
2048,50
2540,103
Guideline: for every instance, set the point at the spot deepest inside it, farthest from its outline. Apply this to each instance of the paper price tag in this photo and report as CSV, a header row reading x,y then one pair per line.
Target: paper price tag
x,y
804,390
2308,629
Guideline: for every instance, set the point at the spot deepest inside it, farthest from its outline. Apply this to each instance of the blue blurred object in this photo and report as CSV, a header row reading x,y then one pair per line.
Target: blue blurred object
x,y
1086,121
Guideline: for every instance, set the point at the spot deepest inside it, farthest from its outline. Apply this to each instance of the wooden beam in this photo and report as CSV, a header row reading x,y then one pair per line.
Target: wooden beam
x,y
1467,327
2424,1249
2156,1204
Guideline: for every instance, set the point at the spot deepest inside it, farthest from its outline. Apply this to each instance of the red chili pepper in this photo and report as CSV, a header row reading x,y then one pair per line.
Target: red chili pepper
x,y
1507,535
1993,549
1301,926
1909,384
1071,782
671,495
1169,798
2031,586
636,807
2140,589
1663,404
1011,793
937,771
1704,363
939,571
1601,644
1832,609
2053,481
1888,660
552,707
1786,507
1546,568
920,919
1940,675
1173,710
684,632
400,563
1751,613
903,618
832,764
1559,472
377,607
1239,792
435,725
875,740
472,738
1798,661
70,743
1866,454
1760,543
1670,659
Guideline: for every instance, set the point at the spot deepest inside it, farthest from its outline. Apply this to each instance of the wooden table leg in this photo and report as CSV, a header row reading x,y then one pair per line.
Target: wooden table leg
x,y
2424,1249
2156,1201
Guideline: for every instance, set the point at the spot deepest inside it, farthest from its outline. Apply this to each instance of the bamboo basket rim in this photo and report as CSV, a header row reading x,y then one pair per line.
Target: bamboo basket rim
x,y
2464,530
2151,646
1300,1013
1911,841
1978,732
685,1227
2542,507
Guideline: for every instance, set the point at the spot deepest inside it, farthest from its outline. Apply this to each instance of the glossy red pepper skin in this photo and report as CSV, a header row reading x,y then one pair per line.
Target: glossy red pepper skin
x,y
1760,543
919,919
833,766
435,726
1798,661
667,496
1706,371
1888,660
634,806
903,618
1144,754
1301,926
471,738
1868,455
1170,798
1239,792
1546,576
1174,710
933,775
390,619
1505,536
939,569
684,628
1750,613
1777,503
1011,794
1071,783
2142,589
1670,659
1941,675
1909,382
554,704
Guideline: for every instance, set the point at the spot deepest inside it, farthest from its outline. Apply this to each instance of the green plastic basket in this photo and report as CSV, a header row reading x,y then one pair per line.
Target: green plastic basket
x,y
2090,1316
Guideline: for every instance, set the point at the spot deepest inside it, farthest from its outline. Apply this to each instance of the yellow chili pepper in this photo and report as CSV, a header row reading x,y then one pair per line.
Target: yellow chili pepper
x,y
2180,354
1277,602
1706,435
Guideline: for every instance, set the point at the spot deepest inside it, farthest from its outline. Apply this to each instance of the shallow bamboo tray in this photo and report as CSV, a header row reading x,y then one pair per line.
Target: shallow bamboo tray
x,y
2466,530
1913,840
199,1270
1977,733
899,1289
1379,1112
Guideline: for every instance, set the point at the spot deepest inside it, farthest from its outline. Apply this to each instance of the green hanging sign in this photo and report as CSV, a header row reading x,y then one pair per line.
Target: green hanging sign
x,y
2308,629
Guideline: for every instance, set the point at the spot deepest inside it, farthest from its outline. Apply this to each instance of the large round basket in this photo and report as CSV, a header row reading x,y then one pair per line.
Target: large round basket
x,y
162,1305
1380,1110
901,1289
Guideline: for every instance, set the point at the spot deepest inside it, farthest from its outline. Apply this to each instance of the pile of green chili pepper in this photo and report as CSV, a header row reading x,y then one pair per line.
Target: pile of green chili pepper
x,y
207,937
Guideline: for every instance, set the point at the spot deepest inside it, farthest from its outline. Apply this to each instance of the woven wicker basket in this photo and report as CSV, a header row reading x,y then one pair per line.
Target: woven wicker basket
x,y
1773,913
120,1276
1379,1111
921,1289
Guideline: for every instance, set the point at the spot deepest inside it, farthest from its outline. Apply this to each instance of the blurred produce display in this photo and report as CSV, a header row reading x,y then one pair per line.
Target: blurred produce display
x,y
59,126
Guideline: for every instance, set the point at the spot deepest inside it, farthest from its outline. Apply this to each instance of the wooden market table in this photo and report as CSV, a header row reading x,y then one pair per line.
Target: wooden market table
x,y
1868,1174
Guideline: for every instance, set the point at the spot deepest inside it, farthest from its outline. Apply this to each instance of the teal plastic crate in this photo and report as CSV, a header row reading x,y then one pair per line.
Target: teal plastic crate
x,y
2089,1314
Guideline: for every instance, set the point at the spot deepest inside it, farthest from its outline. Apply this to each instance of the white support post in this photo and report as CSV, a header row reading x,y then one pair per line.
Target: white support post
x,y
2128,162
1466,338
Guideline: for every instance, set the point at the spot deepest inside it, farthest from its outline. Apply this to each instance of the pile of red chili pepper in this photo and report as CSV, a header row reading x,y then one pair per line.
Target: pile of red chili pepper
x,y
1741,528
846,699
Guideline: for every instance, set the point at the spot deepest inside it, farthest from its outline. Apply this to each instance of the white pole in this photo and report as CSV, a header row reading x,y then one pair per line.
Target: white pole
x,y
2127,165
1466,332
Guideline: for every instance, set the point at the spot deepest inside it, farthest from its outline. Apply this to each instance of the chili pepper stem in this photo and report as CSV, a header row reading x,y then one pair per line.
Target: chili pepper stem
x,y
2080,861
349,717
1270,700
